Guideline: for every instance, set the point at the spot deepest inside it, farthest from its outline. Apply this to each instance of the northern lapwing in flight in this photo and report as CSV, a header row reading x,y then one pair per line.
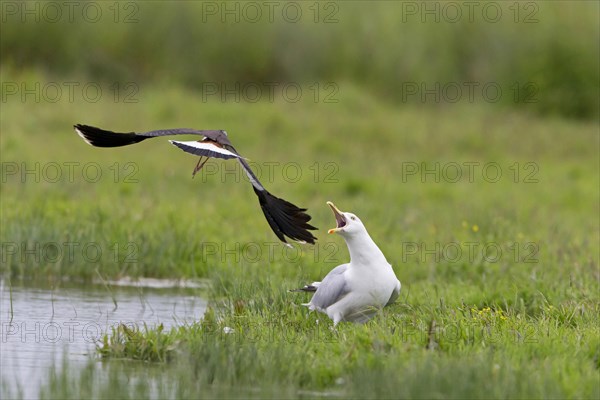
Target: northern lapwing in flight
x,y
284,218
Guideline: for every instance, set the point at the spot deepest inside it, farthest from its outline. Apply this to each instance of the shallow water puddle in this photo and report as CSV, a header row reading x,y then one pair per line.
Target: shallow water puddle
x,y
39,326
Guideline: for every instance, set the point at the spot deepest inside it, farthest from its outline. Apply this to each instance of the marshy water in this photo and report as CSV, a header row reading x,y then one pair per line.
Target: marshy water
x,y
40,326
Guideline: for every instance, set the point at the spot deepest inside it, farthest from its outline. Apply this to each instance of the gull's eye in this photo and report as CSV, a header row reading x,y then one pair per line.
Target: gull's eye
x,y
353,218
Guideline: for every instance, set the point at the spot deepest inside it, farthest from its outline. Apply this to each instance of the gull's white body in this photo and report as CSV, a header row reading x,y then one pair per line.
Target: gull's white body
x,y
357,290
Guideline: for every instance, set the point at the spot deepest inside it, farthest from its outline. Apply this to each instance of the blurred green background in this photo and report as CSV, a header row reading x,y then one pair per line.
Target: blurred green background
x,y
380,46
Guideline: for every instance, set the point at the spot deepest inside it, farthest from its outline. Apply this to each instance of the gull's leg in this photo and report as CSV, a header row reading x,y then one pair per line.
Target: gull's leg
x,y
337,317
199,165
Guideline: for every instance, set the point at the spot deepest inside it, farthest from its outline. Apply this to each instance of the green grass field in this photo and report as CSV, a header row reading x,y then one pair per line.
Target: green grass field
x,y
499,273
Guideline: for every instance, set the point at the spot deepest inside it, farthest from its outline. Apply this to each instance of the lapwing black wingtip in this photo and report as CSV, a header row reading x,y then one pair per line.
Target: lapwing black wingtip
x,y
84,127
98,137
312,240
79,129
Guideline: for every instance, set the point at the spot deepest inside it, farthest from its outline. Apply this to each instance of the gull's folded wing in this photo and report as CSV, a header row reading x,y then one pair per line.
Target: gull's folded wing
x,y
332,289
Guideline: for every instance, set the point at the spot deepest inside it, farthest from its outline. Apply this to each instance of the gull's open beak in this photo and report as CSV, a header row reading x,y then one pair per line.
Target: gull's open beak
x,y
340,220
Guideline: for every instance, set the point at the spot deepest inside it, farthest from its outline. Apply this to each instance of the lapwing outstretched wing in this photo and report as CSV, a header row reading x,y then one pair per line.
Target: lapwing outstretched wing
x,y
284,218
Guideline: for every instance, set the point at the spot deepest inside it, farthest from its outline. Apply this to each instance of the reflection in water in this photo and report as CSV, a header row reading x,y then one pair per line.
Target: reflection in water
x,y
46,325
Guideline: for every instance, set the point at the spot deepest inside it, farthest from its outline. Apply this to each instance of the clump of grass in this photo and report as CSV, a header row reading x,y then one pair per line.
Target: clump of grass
x,y
138,344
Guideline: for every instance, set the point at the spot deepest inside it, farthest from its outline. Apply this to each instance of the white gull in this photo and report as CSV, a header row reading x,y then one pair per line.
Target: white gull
x,y
355,291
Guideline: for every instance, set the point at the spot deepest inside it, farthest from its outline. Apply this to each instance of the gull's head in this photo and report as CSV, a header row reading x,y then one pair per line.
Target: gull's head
x,y
347,224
